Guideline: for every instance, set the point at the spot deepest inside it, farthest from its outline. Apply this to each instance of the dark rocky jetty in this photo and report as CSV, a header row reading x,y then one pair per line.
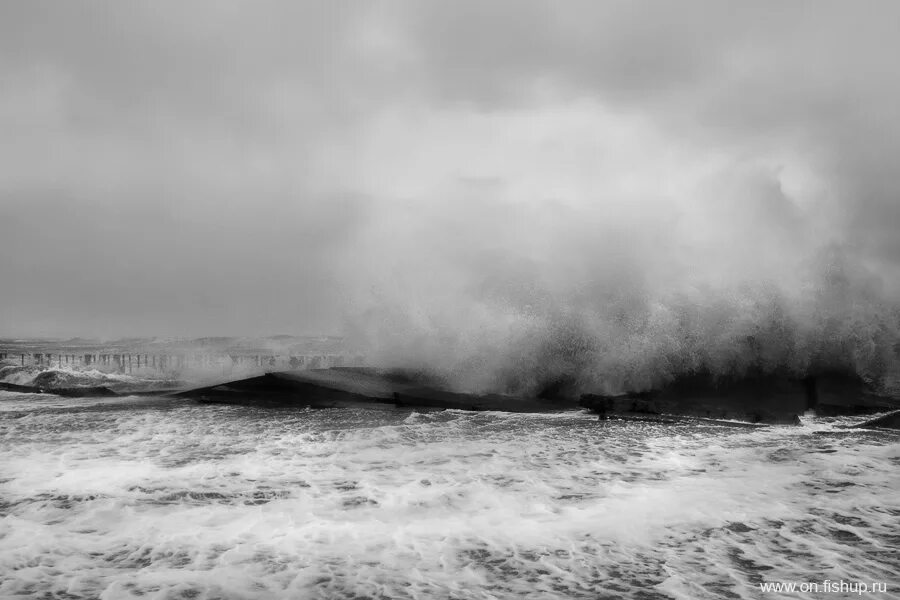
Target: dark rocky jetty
x,y
356,386
759,399
764,399
888,421
769,399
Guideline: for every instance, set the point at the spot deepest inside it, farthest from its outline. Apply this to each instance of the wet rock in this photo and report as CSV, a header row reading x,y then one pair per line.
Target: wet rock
x,y
888,421
836,394
24,389
73,392
349,387
757,398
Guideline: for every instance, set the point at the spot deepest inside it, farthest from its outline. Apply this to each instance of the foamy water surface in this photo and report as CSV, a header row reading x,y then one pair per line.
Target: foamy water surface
x,y
155,498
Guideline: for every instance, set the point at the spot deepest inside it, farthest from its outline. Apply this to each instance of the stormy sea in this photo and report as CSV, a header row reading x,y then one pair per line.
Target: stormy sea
x,y
153,496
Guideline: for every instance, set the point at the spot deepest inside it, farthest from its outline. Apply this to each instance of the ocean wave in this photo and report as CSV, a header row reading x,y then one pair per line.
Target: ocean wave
x,y
69,377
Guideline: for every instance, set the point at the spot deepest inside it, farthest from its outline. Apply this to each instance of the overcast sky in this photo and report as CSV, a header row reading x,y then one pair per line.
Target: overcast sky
x,y
253,168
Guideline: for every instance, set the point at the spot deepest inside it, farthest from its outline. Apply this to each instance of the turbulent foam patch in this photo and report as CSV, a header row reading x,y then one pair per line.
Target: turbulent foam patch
x,y
236,502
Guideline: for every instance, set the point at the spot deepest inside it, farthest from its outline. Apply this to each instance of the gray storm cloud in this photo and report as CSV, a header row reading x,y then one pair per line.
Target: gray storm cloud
x,y
510,193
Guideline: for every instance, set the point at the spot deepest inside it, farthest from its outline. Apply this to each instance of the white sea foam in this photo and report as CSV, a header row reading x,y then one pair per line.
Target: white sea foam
x,y
135,498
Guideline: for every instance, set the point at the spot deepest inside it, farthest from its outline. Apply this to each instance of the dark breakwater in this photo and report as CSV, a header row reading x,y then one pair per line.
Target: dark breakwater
x,y
758,398
764,399
351,387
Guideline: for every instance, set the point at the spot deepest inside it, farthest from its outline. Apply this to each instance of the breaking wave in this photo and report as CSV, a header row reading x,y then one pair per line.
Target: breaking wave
x,y
68,377
609,339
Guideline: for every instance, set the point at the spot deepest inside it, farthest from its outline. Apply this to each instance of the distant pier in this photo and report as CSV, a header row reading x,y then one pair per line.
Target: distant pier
x,y
130,362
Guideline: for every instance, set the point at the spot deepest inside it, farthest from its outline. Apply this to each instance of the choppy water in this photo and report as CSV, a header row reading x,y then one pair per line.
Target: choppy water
x,y
152,498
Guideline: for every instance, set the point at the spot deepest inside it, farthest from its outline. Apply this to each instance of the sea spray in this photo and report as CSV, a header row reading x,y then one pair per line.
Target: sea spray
x,y
837,320
574,245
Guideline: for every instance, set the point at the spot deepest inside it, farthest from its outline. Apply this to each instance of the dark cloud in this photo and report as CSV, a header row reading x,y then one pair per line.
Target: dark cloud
x,y
246,167
820,72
